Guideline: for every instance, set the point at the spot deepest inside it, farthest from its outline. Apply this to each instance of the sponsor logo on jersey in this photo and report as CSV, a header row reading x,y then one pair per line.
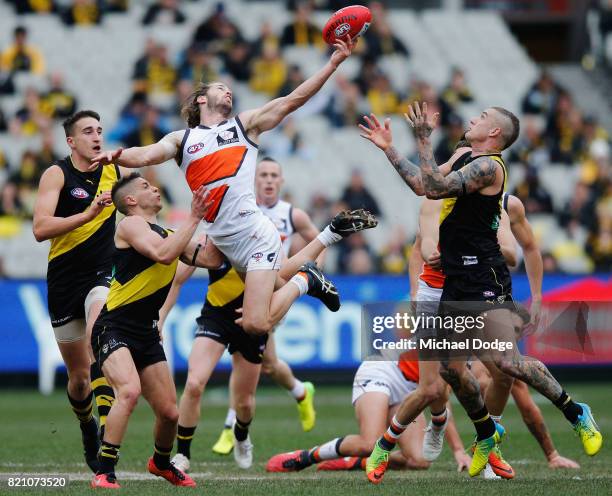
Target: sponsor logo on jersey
x,y
257,256
227,136
195,148
469,260
246,213
280,224
271,256
79,193
488,294
495,223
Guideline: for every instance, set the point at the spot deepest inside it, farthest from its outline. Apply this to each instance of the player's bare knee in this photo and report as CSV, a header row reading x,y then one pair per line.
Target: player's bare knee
x,y
268,367
168,414
80,384
417,463
508,368
245,404
128,396
194,387
449,374
256,326
430,392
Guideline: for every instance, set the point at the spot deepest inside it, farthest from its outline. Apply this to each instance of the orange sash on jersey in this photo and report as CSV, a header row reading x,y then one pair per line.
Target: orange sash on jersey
x,y
409,365
434,278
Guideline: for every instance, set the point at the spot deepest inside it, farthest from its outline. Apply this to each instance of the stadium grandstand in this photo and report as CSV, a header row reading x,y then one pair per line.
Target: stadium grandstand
x,y
135,61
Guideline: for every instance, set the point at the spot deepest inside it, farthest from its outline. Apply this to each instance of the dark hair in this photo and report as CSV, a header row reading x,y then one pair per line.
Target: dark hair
x,y
20,30
74,118
122,182
267,158
191,108
509,135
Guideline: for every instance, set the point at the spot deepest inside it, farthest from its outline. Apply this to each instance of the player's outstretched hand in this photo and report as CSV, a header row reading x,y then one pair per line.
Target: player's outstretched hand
x,y
105,158
99,203
420,121
463,460
200,205
377,133
342,51
559,461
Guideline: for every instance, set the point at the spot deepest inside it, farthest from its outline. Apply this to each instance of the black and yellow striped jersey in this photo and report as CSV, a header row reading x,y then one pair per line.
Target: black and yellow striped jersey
x,y
138,290
88,248
225,291
468,226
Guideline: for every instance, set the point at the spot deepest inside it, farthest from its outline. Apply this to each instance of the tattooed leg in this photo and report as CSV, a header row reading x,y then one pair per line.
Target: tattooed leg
x,y
464,385
534,373
467,390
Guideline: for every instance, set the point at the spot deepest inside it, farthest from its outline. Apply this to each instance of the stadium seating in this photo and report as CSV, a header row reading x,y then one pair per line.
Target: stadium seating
x,y
98,61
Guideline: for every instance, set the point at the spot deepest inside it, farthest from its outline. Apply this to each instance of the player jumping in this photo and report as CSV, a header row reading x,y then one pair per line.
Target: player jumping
x,y
220,151
474,267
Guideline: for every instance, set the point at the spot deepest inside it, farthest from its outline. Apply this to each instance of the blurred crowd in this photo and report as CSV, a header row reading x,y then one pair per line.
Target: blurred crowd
x,y
554,129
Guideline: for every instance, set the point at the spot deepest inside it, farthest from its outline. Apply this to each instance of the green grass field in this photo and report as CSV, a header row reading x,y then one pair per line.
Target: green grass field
x,y
38,435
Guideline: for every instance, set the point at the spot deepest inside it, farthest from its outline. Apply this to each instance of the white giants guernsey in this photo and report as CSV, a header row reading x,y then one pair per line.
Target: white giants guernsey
x,y
280,214
223,159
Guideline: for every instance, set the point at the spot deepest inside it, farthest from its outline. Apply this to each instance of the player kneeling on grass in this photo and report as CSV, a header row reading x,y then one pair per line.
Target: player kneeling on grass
x,y
379,388
125,338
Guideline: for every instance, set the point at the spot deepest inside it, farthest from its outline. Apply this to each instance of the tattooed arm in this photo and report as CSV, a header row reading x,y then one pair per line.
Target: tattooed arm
x,y
477,175
410,172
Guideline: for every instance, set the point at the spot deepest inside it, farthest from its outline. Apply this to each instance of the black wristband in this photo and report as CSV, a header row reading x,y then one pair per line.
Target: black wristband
x,y
195,253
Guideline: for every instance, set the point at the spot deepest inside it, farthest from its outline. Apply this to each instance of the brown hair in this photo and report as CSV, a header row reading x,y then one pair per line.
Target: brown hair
x,y
191,108
509,133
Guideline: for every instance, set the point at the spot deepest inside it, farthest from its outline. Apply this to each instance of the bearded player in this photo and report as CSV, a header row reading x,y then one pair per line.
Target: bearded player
x,y
220,151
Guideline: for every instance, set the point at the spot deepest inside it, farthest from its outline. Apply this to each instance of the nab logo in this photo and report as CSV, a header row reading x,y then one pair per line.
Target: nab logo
x,y
79,193
341,30
228,136
195,148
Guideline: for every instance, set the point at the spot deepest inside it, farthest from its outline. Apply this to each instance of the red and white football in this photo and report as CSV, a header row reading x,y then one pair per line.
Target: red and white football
x,y
353,20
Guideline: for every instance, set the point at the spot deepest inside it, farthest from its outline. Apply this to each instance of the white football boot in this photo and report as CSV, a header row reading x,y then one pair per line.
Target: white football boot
x,y
434,440
181,462
243,452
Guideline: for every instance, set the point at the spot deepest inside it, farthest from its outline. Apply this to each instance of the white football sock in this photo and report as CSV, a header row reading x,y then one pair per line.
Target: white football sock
x,y
229,418
328,238
298,391
328,450
301,281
